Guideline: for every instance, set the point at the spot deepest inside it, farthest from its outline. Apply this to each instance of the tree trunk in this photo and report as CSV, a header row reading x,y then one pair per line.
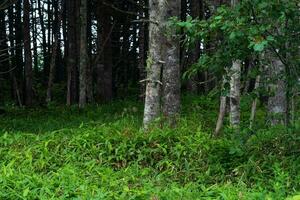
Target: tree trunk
x,y
254,103
28,55
235,93
90,68
154,63
34,35
72,52
44,41
142,61
222,111
19,72
235,87
171,69
83,55
55,47
195,52
107,83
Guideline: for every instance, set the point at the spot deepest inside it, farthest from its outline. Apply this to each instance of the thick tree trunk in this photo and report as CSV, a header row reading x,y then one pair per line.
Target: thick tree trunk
x,y
154,63
83,55
171,69
28,55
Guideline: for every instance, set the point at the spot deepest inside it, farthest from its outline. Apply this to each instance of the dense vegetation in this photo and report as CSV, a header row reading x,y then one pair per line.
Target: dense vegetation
x,y
101,153
150,99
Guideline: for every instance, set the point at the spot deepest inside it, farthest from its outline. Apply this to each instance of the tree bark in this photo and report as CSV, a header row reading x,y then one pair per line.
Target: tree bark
x,y
154,63
171,69
28,55
83,55
72,67
235,93
222,111
55,47
235,87
44,41
254,103
142,61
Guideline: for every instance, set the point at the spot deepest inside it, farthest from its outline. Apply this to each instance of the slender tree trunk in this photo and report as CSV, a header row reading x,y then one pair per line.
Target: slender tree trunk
x,y
34,35
171,70
235,93
83,55
142,61
72,53
254,103
154,63
222,111
107,82
55,47
235,87
15,87
19,33
195,52
44,40
48,43
90,68
28,55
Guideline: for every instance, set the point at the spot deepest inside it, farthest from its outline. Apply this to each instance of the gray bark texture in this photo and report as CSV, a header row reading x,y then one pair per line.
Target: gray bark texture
x,y
235,87
171,69
254,103
154,62
235,93
222,111
83,55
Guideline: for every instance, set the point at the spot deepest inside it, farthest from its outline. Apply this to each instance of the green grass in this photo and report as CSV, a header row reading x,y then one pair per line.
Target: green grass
x,y
101,153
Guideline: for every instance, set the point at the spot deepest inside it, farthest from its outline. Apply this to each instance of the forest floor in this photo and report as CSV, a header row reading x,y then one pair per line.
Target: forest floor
x,y
101,153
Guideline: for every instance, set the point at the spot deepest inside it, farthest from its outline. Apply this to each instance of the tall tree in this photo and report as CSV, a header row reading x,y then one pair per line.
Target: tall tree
x,y
28,55
83,55
72,66
55,48
154,62
235,86
171,69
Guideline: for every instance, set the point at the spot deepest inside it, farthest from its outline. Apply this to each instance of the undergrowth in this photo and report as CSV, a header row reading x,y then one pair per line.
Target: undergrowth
x,y
101,153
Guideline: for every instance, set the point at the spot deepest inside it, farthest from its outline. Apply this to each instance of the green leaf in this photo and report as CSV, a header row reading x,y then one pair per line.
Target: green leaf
x,y
26,192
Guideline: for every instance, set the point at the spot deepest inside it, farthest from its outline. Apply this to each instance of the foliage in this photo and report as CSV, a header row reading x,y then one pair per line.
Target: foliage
x,y
248,30
100,153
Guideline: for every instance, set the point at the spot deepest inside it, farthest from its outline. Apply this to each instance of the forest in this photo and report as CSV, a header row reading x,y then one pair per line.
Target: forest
x,y
150,99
